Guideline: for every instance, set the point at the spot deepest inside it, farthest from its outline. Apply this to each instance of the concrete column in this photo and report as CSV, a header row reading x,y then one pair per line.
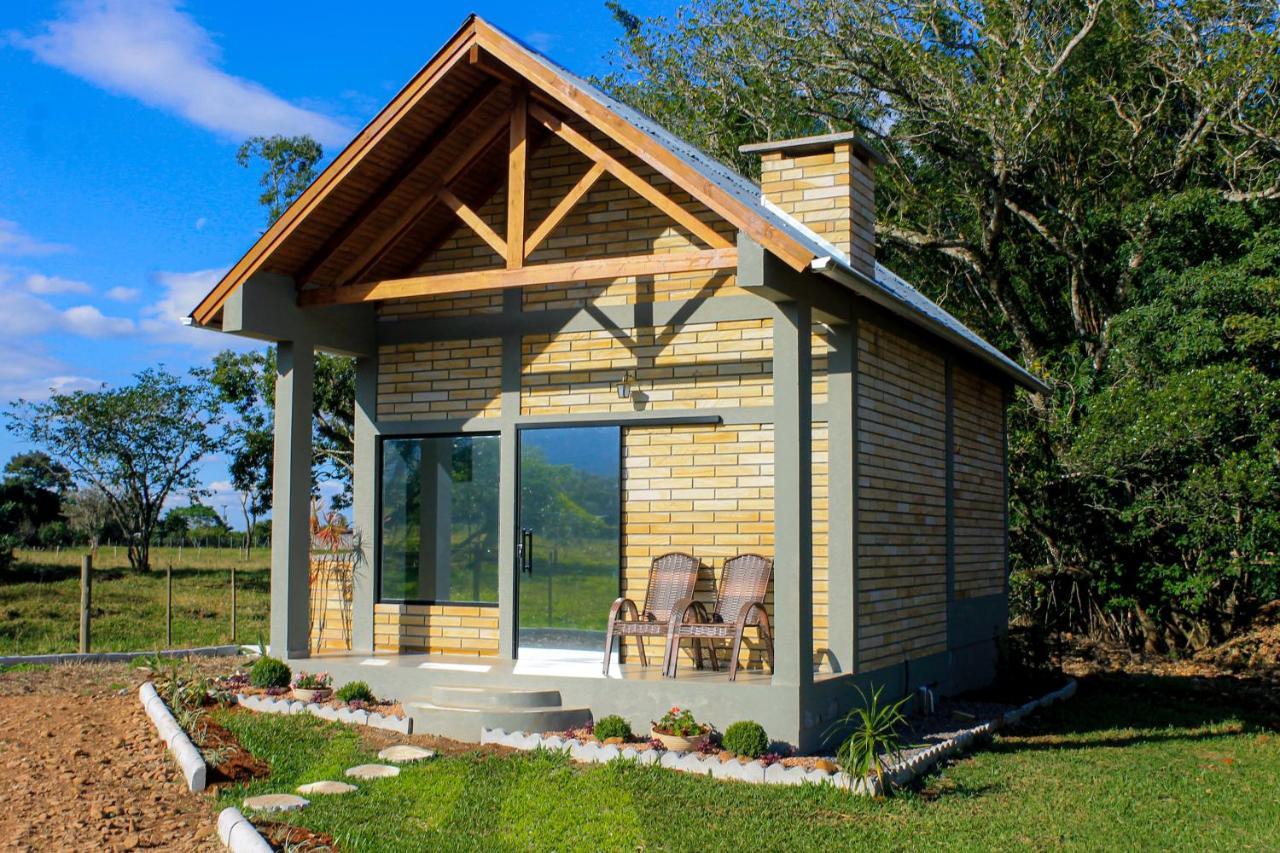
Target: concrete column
x,y
508,489
842,490
291,503
793,496
364,494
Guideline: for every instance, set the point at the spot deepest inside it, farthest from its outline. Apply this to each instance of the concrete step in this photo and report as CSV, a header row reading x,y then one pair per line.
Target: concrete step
x,y
459,696
463,723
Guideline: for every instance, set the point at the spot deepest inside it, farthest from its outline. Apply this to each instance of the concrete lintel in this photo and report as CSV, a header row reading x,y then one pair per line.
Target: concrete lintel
x,y
764,275
266,308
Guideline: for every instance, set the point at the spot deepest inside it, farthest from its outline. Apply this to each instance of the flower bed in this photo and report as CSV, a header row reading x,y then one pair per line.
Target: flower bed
x,y
770,768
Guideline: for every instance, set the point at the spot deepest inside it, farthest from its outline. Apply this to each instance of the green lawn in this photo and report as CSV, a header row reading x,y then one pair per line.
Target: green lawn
x,y
1134,765
40,600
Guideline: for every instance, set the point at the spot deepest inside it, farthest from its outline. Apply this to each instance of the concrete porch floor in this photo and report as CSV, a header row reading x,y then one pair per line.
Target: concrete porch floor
x,y
640,694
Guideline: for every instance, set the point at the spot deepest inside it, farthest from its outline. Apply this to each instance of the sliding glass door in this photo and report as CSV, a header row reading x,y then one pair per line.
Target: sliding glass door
x,y
569,537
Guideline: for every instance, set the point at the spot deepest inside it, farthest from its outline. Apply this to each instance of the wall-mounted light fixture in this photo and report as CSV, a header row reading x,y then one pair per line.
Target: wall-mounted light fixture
x,y
625,385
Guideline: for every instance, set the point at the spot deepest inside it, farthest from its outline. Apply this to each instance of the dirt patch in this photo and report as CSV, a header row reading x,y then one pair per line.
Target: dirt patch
x,y
84,775
234,762
296,839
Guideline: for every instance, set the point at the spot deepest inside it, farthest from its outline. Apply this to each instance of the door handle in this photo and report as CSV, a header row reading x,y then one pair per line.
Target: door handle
x,y
526,551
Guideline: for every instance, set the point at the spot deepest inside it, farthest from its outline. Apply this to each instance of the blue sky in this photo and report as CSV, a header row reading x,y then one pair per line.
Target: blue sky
x,y
120,198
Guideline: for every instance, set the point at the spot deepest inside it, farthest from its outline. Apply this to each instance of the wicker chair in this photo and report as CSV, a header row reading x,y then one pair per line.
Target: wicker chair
x,y
739,604
672,579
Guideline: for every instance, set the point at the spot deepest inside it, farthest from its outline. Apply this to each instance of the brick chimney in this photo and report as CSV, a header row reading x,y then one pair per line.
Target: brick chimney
x,y
827,183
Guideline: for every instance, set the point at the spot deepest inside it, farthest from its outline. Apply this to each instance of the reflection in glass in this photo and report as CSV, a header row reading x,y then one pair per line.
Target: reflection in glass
x,y
440,519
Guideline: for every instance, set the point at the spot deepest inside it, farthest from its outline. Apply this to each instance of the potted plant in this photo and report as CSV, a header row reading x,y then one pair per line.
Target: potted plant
x,y
312,687
678,730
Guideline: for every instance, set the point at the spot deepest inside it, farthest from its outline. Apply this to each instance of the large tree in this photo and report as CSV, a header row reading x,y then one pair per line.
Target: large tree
x,y
1052,166
288,168
136,444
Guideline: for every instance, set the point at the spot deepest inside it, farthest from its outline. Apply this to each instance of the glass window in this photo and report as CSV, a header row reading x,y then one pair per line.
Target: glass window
x,y
440,519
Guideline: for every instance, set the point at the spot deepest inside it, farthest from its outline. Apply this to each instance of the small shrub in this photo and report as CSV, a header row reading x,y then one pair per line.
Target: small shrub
x,y
875,736
354,691
612,726
680,722
270,672
746,738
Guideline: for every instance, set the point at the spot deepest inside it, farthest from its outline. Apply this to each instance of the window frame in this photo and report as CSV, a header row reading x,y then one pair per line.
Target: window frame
x,y
377,551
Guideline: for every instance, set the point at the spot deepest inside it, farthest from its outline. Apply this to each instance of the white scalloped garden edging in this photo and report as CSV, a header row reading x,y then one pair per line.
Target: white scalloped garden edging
x,y
268,705
188,757
775,774
238,833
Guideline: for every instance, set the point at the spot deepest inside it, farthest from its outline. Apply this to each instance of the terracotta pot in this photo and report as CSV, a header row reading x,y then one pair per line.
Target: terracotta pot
x,y
313,694
676,743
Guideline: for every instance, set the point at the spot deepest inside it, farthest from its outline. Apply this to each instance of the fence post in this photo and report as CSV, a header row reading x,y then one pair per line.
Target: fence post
x,y
168,607
86,600
233,604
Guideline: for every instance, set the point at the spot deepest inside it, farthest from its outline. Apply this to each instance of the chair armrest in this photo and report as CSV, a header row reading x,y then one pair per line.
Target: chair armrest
x,y
624,602
683,608
745,612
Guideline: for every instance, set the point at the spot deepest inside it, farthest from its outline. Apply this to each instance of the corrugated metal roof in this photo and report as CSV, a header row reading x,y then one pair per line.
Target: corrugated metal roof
x,y
927,313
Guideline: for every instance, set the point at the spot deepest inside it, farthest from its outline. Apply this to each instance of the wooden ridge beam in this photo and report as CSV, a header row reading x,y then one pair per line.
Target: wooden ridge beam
x,y
459,117
500,279
643,188
571,198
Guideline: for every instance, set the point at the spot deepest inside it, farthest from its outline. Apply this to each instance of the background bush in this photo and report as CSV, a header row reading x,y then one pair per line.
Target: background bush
x,y
612,726
270,672
354,691
747,738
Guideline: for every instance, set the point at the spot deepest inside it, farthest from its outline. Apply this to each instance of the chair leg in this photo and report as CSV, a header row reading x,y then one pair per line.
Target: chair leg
x,y
767,634
737,648
673,652
644,660
608,649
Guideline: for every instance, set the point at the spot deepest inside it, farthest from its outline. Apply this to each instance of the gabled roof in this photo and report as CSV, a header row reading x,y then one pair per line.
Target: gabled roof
x,y
365,177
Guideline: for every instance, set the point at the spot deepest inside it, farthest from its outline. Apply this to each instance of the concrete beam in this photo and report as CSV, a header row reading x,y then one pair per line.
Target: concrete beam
x,y
291,501
266,309
763,274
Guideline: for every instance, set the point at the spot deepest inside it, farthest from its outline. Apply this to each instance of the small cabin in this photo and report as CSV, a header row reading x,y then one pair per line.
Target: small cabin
x,y
582,345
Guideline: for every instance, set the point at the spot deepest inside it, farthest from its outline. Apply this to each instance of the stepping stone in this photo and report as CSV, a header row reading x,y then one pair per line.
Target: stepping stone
x,y
326,787
373,771
404,753
275,803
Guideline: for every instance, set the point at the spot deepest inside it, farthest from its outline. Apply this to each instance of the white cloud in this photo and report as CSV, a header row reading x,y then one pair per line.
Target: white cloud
x,y
149,50
183,291
15,241
87,321
122,294
201,222
50,284
28,373
541,41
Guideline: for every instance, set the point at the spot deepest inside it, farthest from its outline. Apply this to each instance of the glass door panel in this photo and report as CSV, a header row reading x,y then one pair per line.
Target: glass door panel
x,y
569,538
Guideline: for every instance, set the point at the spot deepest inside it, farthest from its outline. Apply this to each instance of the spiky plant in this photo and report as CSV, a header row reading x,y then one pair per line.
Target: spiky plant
x,y
875,735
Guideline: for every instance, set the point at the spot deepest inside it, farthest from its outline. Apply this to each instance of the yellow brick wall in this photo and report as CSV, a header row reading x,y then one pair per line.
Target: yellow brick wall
x,y
706,490
979,501
452,305
451,629
902,603
330,585
703,365
444,379
831,192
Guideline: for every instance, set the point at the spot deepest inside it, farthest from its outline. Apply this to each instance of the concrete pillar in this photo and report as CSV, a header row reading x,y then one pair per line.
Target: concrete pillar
x,y
291,503
435,511
364,508
508,492
842,490
793,496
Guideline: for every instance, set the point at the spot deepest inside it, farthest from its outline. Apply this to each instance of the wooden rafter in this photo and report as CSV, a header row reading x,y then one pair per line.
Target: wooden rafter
x,y
473,221
639,185
571,198
459,117
500,279
517,167
388,238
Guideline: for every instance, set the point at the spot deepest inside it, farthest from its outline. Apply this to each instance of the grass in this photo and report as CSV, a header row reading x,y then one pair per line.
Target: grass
x,y
1133,764
40,600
